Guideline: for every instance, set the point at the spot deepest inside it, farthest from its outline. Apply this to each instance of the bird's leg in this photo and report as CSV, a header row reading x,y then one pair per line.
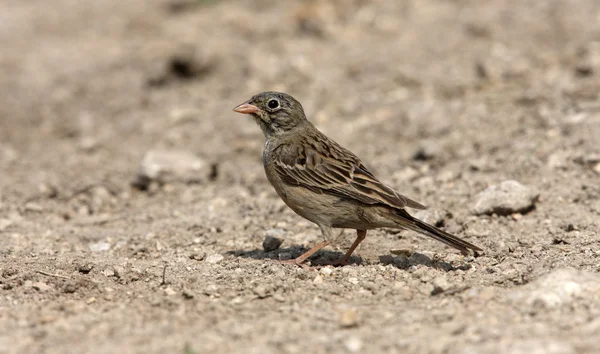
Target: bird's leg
x,y
300,259
327,233
360,235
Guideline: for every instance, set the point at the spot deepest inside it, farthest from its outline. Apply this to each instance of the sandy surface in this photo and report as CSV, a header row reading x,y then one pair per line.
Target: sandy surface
x,y
441,99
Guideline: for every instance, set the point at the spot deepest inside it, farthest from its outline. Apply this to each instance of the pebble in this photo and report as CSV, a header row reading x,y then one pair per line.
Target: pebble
x,y
318,280
505,198
271,243
40,286
214,258
440,284
353,344
427,150
170,292
261,292
99,246
353,280
198,256
168,166
348,318
326,271
5,223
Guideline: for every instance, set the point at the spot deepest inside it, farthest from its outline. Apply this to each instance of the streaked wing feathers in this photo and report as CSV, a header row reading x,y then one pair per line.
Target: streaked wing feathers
x,y
323,166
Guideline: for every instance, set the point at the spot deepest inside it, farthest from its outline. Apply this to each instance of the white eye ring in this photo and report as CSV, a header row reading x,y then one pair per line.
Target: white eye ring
x,y
273,104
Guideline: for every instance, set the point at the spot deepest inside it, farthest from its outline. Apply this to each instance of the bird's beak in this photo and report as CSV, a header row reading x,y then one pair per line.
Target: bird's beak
x,y
246,108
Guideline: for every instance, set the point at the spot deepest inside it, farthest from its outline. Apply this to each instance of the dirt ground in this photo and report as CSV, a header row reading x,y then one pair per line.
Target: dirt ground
x,y
440,98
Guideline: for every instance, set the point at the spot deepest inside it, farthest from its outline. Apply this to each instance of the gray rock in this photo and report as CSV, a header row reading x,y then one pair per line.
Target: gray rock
x,y
505,198
168,166
271,243
559,288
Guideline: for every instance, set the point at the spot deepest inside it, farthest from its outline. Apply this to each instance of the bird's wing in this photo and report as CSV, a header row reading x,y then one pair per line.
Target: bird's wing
x,y
319,164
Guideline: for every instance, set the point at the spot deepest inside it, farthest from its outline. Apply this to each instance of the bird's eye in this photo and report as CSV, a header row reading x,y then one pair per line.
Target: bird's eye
x,y
273,104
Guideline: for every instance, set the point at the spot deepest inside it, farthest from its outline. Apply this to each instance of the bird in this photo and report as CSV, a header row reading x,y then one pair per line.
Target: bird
x,y
327,184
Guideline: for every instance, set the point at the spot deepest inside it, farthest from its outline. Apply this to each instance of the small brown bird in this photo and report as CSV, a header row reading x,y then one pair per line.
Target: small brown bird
x,y
327,184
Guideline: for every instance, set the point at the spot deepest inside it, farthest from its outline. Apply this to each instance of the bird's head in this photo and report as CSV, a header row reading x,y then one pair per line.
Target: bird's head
x,y
276,113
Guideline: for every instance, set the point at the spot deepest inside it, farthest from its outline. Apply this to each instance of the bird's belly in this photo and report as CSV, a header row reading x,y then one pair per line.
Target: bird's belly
x,y
326,209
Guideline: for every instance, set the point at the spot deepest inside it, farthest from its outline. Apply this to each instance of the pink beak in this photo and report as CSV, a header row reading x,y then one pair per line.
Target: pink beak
x,y
246,108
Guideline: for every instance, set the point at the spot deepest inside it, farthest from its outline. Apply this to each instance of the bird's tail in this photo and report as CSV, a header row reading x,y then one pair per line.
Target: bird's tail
x,y
424,228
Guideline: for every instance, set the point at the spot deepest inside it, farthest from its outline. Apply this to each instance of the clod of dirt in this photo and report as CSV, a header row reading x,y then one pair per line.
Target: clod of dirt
x,y
168,166
505,198
271,243
561,287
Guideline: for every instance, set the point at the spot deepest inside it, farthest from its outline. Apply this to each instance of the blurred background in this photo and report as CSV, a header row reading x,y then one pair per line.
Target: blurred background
x,y
119,151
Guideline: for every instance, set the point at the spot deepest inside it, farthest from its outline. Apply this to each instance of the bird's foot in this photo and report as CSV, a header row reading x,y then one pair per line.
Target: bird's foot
x,y
297,262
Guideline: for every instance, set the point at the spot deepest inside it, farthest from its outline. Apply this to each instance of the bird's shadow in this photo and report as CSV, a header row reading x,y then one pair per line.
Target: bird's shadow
x,y
324,257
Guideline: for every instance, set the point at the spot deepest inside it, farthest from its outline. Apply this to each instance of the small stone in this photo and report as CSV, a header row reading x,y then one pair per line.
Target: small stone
x,y
85,268
326,271
5,223
70,288
118,271
184,115
108,272
169,166
170,292
353,344
214,258
402,252
34,207
353,280
40,286
348,318
90,301
440,284
271,243
318,280
198,256
99,246
505,198
261,292
279,298
427,150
